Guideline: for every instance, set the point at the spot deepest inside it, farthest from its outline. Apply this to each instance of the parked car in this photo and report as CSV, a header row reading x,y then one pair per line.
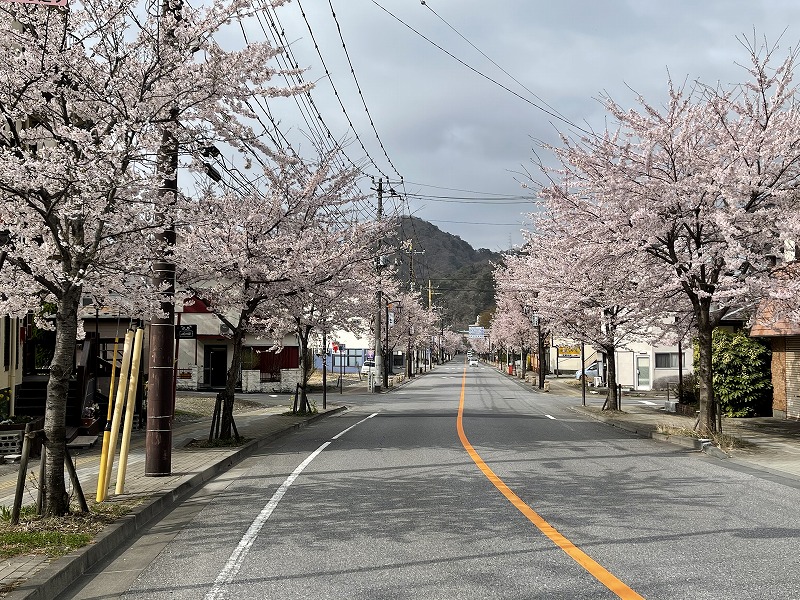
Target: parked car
x,y
367,367
592,370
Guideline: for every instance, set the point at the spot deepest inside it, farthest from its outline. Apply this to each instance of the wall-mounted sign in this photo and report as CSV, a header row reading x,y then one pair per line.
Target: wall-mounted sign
x,y
185,332
569,351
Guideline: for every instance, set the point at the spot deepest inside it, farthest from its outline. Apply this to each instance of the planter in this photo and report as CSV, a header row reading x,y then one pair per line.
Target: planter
x,y
89,426
37,423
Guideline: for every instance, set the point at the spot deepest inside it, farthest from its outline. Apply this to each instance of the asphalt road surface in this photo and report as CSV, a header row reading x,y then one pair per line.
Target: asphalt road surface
x,y
465,484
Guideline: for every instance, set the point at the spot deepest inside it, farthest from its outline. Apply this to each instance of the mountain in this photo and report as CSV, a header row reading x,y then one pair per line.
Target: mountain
x,y
460,276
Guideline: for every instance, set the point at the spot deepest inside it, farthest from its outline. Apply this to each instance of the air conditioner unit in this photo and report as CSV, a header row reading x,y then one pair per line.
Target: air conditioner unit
x,y
224,329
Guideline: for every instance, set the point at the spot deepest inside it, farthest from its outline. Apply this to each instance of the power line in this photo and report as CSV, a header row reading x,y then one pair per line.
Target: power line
x,y
517,81
474,199
358,87
439,187
336,91
473,222
481,74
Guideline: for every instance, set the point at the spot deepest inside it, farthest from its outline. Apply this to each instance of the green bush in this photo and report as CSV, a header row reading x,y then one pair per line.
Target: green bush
x,y
741,371
5,403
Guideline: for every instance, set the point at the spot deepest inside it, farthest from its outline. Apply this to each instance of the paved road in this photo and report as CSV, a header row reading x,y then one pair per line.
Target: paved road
x,y
467,486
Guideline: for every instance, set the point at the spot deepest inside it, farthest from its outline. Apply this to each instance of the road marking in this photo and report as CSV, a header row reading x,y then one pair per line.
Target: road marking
x,y
234,563
647,402
593,567
550,417
341,433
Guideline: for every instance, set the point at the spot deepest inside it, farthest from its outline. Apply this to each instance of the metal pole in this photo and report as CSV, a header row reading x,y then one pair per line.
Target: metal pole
x,y
387,366
680,371
583,376
324,368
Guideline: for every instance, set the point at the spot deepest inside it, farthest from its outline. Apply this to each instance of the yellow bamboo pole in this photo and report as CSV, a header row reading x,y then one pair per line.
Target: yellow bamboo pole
x,y
101,476
126,431
124,370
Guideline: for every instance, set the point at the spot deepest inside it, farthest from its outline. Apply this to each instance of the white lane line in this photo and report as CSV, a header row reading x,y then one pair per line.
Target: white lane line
x,y
550,417
341,433
234,564
647,402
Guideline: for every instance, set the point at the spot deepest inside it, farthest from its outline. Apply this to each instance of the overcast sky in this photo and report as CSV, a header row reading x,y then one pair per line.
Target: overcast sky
x,y
445,126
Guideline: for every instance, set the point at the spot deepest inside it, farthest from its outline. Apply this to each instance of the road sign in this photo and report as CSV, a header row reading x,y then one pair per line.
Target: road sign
x,y
476,331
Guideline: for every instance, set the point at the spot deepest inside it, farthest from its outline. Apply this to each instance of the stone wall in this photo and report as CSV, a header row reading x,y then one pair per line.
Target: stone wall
x,y
251,382
188,379
289,380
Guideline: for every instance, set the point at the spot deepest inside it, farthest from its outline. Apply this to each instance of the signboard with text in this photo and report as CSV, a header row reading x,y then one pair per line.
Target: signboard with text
x,y
185,332
569,351
476,331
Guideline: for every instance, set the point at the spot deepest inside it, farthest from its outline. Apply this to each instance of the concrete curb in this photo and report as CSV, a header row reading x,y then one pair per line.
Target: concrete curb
x,y
62,572
700,445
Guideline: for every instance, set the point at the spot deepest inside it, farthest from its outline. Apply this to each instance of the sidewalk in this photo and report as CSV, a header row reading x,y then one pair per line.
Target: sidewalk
x,y
770,445
39,577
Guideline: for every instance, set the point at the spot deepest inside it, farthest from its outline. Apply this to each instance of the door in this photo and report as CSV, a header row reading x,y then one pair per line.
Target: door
x,y
216,365
643,372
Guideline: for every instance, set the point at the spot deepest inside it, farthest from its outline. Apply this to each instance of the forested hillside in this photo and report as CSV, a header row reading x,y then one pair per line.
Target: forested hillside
x,y
460,276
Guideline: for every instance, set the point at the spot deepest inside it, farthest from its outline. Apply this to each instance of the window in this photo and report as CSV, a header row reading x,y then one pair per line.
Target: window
x,y
667,360
349,358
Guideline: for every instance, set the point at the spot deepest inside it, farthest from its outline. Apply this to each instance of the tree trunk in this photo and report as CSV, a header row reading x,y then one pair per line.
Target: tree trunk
x,y
232,378
305,369
612,398
56,500
705,329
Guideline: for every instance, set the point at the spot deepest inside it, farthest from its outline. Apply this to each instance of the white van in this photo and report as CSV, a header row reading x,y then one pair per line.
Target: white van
x,y
368,366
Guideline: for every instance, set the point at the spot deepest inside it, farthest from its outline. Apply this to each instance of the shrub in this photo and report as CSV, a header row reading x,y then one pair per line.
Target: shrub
x,y
741,372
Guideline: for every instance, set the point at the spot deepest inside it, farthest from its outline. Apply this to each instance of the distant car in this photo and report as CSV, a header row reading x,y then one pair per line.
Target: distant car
x,y
592,370
367,367
473,362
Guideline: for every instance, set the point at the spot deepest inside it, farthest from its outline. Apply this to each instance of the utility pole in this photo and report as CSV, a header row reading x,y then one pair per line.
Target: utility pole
x,y
377,378
160,381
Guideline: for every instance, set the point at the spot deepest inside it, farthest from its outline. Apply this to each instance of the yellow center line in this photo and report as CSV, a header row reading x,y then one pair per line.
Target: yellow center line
x,y
593,567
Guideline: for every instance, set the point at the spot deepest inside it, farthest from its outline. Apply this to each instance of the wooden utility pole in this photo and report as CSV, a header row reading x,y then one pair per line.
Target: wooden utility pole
x,y
160,379
377,374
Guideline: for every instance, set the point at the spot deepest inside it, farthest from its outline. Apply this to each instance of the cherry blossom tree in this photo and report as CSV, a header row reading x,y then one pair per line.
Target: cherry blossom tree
x,y
580,289
479,344
89,96
703,191
413,323
454,343
335,302
511,325
280,258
